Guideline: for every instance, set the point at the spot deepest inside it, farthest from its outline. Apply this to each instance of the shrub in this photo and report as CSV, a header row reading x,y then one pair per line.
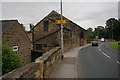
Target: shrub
x,y
10,59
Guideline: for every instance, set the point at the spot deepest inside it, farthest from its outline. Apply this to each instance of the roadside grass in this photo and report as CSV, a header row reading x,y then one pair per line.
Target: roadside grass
x,y
115,45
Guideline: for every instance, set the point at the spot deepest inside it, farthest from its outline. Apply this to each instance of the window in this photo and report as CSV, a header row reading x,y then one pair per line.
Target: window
x,y
82,34
46,23
56,45
45,45
38,46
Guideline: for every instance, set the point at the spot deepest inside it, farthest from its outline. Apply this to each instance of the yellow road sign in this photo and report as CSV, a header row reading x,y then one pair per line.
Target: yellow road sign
x,y
60,21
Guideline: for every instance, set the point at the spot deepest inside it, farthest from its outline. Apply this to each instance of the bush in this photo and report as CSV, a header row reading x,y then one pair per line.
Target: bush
x,y
10,59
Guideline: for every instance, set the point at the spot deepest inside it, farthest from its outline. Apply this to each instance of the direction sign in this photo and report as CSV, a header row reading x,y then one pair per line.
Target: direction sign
x,y
60,21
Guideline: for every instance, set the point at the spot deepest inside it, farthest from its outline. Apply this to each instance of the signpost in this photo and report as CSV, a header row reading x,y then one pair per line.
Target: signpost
x,y
15,48
61,30
61,22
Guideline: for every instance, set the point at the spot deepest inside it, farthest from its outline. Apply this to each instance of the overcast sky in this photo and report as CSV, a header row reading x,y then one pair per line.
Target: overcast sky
x,y
85,14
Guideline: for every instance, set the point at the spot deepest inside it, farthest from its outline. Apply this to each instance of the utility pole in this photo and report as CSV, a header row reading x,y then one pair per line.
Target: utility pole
x,y
62,47
112,32
98,33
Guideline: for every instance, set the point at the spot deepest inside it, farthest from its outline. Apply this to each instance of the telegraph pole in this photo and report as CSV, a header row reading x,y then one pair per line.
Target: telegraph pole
x,y
62,47
112,33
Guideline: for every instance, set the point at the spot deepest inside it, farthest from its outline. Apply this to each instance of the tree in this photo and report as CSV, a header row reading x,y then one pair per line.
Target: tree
x,y
90,29
31,26
90,34
113,28
23,27
100,32
10,59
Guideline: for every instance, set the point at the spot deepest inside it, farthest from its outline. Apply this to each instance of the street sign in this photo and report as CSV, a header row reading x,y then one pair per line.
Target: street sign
x,y
15,48
60,21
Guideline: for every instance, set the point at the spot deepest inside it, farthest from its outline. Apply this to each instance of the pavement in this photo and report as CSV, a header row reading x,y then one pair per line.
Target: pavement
x,y
66,68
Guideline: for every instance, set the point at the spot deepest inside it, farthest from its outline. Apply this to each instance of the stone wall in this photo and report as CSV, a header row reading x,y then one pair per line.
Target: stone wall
x,y
27,71
41,68
49,61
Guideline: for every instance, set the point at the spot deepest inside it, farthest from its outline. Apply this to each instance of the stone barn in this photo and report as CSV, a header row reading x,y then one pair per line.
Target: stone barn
x,y
46,33
14,35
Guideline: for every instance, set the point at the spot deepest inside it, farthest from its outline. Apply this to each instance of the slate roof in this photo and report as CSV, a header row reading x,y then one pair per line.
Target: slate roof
x,y
4,24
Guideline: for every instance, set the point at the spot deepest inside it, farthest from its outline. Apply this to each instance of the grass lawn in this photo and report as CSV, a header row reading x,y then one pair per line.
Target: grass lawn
x,y
115,45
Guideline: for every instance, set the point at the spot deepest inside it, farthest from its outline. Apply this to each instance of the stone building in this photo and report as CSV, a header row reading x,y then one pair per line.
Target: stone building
x,y
46,33
14,35
30,37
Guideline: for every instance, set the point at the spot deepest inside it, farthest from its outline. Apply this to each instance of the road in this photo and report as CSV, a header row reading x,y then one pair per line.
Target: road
x,y
98,62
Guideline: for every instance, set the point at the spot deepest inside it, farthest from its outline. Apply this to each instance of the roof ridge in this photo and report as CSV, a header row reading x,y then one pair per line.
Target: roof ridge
x,y
9,20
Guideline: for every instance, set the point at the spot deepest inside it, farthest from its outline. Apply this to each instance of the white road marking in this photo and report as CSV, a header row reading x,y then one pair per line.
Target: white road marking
x,y
99,49
106,55
103,52
118,62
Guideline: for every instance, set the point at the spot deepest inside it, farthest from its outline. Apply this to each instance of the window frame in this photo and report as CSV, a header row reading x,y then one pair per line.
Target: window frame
x,y
46,26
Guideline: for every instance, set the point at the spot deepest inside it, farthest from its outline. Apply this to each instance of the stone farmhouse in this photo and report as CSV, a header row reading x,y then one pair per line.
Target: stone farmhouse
x,y
46,34
13,35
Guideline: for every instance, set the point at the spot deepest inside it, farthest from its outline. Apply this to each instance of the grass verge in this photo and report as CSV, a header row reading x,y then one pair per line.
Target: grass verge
x,y
115,45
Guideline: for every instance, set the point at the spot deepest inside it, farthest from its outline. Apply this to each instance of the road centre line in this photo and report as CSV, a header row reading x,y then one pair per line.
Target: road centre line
x,y
106,55
103,52
99,50
118,62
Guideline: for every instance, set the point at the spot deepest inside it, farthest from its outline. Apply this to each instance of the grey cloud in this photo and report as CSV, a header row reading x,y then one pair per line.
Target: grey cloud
x,y
85,14
93,13
59,0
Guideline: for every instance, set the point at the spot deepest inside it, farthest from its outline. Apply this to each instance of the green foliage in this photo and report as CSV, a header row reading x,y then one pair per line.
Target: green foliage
x,y
100,32
113,28
115,45
10,59
31,26
90,34
27,32
23,27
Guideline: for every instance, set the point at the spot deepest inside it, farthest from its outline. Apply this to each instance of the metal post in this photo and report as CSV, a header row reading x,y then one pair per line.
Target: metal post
x,y
61,30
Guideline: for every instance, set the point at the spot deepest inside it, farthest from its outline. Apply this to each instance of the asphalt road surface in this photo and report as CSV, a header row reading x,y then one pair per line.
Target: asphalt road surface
x,y
98,62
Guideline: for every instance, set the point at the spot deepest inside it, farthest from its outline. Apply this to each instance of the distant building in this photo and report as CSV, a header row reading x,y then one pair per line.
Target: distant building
x,y
13,35
46,34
